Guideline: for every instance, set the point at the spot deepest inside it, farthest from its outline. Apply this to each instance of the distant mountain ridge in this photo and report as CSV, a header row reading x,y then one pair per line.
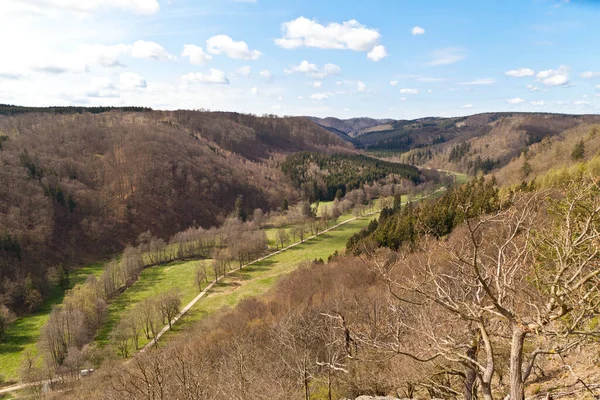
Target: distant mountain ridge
x,y
351,127
512,146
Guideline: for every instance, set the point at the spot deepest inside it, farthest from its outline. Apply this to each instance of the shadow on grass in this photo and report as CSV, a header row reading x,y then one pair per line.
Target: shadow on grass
x,y
150,278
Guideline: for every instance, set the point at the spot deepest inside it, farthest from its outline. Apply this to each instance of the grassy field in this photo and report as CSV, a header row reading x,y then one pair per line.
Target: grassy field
x,y
153,281
258,278
24,333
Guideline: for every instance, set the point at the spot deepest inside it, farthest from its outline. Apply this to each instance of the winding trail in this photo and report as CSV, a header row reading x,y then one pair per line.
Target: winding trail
x,y
206,290
204,293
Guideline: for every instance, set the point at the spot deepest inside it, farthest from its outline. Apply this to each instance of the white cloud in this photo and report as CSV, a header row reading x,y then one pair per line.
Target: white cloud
x,y
319,96
131,81
551,77
11,75
446,56
312,70
467,106
196,54
360,86
144,49
589,74
106,56
349,35
417,30
317,84
237,50
265,74
582,103
254,90
377,53
86,6
537,103
520,73
214,76
393,83
532,88
403,98
409,91
516,100
481,81
244,71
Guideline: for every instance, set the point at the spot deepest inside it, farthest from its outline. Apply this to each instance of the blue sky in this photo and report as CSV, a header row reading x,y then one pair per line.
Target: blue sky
x,y
394,58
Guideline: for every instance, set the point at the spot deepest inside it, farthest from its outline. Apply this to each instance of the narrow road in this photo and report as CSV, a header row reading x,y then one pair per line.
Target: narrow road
x,y
202,294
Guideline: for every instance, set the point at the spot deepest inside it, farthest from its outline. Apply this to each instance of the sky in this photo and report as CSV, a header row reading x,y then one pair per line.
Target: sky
x,y
396,59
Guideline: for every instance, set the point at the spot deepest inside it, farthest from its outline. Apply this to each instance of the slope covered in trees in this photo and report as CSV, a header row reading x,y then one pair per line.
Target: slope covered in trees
x,y
74,187
513,146
506,304
327,176
405,226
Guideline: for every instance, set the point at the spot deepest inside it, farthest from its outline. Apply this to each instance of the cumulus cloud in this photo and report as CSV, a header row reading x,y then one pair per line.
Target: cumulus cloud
x,y
417,30
223,44
196,54
520,73
449,55
582,103
106,56
134,6
532,88
393,83
244,71
153,50
131,81
360,86
537,103
265,74
317,84
482,81
319,96
516,100
378,53
349,35
312,70
467,106
589,74
214,76
551,77
409,91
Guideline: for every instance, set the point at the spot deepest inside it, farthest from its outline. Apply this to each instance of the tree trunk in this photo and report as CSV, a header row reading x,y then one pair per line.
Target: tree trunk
x,y
517,388
470,390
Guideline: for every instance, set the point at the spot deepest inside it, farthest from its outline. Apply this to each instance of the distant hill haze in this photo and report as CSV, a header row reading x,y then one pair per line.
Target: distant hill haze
x,y
351,127
512,146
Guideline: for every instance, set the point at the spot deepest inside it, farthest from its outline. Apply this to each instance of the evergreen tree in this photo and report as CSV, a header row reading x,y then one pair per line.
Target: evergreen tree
x,y
578,151
238,210
285,205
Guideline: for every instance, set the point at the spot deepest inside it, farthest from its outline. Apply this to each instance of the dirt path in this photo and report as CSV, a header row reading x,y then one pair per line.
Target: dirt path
x,y
204,293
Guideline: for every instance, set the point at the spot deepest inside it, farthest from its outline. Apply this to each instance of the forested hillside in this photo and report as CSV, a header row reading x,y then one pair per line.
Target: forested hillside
x,y
77,186
513,146
326,176
504,304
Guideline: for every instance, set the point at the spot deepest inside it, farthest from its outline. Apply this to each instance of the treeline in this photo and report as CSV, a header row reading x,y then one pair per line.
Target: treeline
x,y
325,176
80,187
501,306
405,225
7,109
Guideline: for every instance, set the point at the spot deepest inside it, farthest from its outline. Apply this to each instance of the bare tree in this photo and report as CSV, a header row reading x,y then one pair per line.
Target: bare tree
x,y
169,305
282,237
498,283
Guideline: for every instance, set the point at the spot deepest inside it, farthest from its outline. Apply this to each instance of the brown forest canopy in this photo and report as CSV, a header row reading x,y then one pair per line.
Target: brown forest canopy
x,y
74,186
